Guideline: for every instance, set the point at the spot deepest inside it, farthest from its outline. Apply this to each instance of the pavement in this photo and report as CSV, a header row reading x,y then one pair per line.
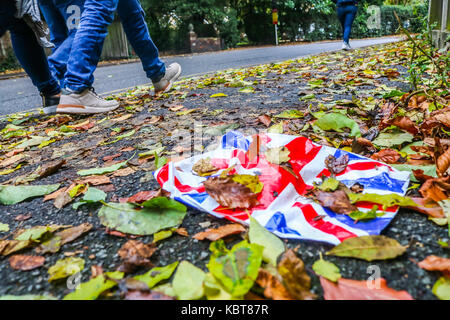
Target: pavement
x,y
19,94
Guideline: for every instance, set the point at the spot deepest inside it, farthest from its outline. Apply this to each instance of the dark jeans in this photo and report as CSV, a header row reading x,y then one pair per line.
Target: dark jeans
x,y
27,49
346,15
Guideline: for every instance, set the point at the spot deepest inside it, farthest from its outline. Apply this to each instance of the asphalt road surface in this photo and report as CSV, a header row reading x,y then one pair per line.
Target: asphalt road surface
x,y
17,95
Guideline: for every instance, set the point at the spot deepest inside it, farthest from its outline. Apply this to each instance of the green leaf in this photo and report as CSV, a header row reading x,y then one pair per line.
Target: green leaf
x,y
336,122
368,215
393,93
369,248
4,227
188,282
157,274
65,267
330,184
34,141
214,289
393,139
441,288
236,269
92,195
327,270
218,95
100,171
273,246
290,114
35,233
276,128
91,289
125,218
154,152
162,203
160,161
161,235
15,194
387,200
220,129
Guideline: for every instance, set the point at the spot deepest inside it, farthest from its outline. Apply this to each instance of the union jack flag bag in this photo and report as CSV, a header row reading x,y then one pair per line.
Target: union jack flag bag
x,y
282,205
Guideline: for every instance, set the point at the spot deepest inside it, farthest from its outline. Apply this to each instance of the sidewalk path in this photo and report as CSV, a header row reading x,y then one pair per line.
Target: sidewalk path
x,y
19,94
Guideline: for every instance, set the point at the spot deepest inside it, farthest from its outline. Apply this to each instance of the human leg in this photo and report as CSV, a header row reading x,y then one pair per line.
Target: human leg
x,y
350,15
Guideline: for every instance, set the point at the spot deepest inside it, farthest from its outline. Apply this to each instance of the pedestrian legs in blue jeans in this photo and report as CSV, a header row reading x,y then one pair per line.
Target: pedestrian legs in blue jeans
x,y
62,17
28,50
346,15
87,47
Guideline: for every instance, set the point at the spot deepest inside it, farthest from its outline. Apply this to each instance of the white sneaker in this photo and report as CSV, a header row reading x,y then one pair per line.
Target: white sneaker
x,y
173,71
86,102
346,46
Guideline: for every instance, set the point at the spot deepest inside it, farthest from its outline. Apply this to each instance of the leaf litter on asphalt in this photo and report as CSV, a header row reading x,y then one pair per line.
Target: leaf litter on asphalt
x,y
51,155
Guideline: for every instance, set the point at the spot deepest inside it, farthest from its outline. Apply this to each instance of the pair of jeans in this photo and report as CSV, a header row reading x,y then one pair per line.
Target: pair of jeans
x,y
346,15
27,49
92,30
62,17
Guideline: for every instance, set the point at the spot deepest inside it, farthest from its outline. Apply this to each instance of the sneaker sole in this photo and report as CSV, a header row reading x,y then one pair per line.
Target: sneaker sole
x,y
171,82
50,109
79,109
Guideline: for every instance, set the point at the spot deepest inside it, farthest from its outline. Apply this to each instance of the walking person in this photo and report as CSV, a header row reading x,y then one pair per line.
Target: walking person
x,y
76,58
28,37
346,10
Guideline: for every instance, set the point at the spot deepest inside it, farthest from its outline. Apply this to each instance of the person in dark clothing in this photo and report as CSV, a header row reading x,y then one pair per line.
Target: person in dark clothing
x,y
346,10
30,53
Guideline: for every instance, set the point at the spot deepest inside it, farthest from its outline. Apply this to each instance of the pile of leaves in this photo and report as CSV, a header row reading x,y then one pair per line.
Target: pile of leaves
x,y
97,170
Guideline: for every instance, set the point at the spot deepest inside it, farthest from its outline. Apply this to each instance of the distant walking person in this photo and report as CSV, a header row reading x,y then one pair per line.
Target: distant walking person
x,y
346,10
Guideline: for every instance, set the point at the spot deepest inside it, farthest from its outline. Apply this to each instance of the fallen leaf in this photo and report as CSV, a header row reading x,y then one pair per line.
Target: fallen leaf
x,y
188,282
337,201
368,248
435,263
265,120
295,279
139,295
273,288
277,155
231,194
336,166
25,263
15,194
436,189
65,268
346,289
91,289
327,270
273,246
204,167
388,156
221,232
135,254
441,288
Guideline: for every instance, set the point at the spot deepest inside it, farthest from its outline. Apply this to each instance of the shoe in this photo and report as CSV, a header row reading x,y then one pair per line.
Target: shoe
x,y
86,102
173,71
49,103
346,46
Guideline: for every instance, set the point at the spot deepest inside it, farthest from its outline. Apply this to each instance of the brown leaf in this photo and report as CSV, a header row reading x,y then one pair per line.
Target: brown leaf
x,y
25,263
152,295
112,157
430,208
135,254
443,116
405,124
221,232
388,156
361,145
230,194
94,180
182,232
436,189
419,175
63,199
143,196
73,233
10,246
55,194
14,159
337,201
50,168
204,167
96,271
336,166
443,163
273,288
347,289
295,279
265,120
435,263
123,172
23,217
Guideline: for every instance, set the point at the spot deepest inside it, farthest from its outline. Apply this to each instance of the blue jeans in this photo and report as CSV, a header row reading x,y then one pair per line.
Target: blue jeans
x,y
88,41
27,49
62,17
346,15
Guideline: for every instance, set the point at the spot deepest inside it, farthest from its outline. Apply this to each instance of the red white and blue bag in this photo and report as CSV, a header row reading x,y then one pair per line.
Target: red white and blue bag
x,y
282,209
